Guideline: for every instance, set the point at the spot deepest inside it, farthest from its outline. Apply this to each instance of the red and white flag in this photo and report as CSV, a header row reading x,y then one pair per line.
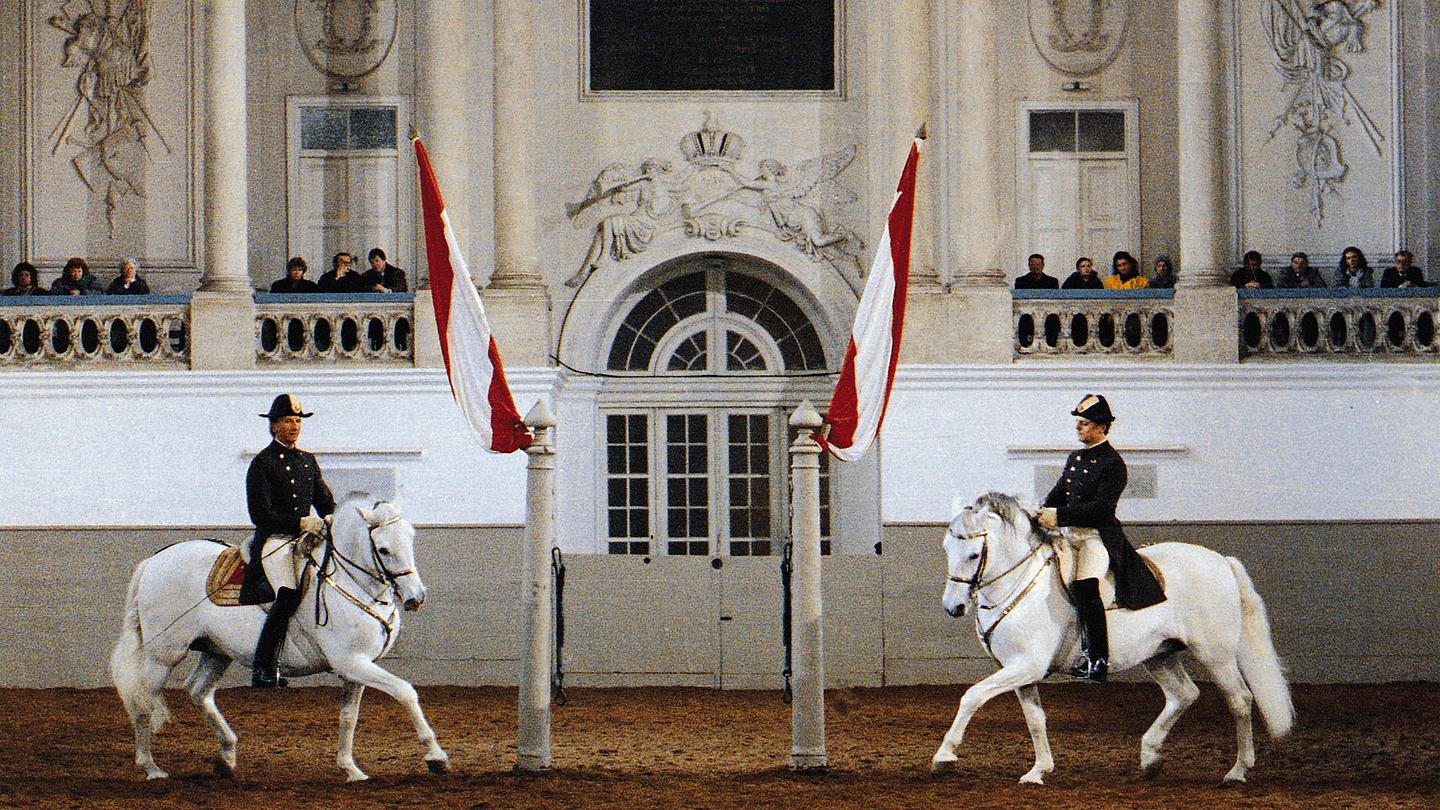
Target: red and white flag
x,y
857,408
472,362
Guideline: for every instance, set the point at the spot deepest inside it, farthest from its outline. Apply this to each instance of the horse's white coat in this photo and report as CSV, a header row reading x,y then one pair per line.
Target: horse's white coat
x,y
1211,607
166,609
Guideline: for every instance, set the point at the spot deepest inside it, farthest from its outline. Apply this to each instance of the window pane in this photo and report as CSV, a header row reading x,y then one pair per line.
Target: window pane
x,y
627,483
372,128
748,442
687,479
323,128
1052,131
1102,131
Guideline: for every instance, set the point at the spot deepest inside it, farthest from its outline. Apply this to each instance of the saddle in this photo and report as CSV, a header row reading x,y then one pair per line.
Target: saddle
x,y
1065,558
226,578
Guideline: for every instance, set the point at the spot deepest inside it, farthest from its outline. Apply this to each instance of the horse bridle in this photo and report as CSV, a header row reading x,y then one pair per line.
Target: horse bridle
x,y
975,585
386,575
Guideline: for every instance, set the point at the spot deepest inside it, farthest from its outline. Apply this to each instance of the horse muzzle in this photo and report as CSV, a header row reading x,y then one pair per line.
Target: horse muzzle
x,y
957,611
413,604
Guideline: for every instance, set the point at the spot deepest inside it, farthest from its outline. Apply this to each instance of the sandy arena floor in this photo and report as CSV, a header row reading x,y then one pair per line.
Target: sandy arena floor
x,y
1353,747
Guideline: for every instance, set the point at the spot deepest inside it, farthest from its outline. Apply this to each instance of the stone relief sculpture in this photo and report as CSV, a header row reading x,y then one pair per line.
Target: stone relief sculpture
x,y
346,39
1078,37
108,121
1308,37
714,201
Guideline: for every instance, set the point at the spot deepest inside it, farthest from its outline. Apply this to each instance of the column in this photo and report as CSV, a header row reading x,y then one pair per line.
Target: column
x,y
1205,304
533,748
969,230
807,709
222,311
517,297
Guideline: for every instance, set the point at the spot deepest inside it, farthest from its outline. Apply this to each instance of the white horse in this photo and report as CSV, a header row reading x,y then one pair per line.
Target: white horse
x,y
1000,560
167,614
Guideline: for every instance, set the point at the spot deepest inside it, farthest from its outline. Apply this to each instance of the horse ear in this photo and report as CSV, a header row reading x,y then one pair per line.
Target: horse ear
x,y
398,501
368,515
957,505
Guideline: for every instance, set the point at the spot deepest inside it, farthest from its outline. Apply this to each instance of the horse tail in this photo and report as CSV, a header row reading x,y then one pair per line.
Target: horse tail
x,y
127,663
1259,662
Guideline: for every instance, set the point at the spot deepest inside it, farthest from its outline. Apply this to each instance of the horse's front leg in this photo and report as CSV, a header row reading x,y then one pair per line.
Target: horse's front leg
x,y
364,672
1035,720
349,715
1010,676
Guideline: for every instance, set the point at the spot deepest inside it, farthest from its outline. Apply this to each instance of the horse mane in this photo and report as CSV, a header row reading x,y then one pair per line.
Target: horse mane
x,y
361,497
1007,507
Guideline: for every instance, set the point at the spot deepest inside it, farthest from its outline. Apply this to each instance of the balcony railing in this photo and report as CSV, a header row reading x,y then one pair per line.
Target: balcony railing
x,y
369,328
1099,323
1338,323
95,331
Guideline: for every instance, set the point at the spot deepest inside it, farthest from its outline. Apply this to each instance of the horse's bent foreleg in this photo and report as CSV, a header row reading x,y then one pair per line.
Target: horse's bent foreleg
x,y
349,715
1035,720
201,686
1007,678
368,673
1238,698
1180,692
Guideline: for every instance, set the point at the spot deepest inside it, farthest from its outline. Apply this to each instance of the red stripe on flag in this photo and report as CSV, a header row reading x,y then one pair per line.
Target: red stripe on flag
x,y
442,276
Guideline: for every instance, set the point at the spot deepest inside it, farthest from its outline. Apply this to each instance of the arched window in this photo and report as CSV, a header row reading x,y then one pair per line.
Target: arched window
x,y
695,462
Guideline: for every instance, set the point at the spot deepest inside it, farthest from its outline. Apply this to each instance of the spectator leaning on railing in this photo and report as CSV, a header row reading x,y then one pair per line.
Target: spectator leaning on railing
x,y
1403,273
129,281
75,279
1084,277
382,276
1251,276
1164,276
1354,270
1300,274
342,277
24,280
295,281
1125,273
1037,278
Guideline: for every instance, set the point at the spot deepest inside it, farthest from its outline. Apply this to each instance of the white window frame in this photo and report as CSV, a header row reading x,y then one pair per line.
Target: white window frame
x,y
1131,156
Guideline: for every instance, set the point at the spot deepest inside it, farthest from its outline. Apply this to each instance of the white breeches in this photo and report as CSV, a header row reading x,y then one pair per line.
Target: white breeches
x,y
278,558
1092,561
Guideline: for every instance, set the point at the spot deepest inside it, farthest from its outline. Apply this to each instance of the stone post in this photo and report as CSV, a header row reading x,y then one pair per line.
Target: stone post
x,y
807,709
1205,304
222,311
533,749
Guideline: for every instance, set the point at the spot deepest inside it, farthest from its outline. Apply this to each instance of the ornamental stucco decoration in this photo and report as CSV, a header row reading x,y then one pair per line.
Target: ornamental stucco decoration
x,y
1078,37
108,122
346,39
1308,38
712,200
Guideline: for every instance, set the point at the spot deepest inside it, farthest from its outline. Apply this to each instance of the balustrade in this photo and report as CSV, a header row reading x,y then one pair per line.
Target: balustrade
x,y
1338,322
98,331
1107,323
370,328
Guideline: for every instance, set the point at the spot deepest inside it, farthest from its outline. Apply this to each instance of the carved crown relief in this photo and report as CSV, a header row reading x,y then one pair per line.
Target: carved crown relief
x,y
1308,38
713,200
108,123
1078,37
346,39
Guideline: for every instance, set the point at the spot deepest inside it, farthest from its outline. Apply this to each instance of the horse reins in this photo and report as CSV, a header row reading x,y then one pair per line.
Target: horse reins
x,y
386,576
975,585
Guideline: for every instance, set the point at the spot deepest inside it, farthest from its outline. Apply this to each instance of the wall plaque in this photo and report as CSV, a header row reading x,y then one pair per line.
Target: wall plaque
x,y
646,46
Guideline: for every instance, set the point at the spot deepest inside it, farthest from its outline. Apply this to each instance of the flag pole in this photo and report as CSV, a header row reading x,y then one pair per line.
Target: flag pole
x,y
807,709
533,748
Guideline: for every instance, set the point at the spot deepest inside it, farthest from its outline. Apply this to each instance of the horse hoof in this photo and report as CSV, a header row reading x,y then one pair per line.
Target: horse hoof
x,y
356,776
942,765
156,773
438,765
1032,779
1150,771
222,768
1234,779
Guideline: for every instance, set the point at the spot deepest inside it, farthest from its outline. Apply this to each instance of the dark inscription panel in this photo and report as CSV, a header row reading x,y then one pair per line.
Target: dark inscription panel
x,y
679,45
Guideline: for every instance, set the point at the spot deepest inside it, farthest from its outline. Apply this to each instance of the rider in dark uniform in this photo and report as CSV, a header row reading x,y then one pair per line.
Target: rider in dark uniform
x,y
1084,501
283,484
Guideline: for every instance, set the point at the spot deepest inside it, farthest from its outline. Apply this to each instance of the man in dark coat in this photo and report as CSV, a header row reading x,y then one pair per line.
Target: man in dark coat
x,y
1037,278
383,277
283,484
1084,500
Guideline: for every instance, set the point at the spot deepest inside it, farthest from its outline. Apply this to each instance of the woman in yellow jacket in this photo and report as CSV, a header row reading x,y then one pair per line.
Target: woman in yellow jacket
x,y
1126,275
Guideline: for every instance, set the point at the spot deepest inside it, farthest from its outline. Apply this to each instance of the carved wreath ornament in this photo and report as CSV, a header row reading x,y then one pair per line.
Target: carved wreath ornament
x,y
1078,37
346,39
107,123
713,200
1308,38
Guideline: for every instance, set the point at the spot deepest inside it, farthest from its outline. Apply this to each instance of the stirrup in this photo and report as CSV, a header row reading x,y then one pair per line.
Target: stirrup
x,y
261,679
1089,670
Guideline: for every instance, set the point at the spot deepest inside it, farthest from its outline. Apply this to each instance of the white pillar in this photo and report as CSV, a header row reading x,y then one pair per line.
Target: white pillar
x,y
1204,194
807,709
227,227
517,262
444,90
533,749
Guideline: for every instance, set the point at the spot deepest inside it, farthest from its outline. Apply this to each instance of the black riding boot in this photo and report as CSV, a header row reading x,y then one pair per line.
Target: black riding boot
x,y
266,672
1094,660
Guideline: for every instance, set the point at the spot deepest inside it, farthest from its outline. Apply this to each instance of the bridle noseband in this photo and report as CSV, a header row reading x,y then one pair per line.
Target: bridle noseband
x,y
975,585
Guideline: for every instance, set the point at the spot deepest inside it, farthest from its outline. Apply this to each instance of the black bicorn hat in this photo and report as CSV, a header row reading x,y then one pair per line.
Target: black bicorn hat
x,y
283,406
1095,408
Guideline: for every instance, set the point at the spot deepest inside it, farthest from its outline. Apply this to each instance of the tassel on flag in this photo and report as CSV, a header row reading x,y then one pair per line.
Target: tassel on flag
x,y
857,408
472,361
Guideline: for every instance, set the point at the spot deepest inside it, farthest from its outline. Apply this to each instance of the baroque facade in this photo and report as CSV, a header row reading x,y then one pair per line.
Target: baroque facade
x,y
676,269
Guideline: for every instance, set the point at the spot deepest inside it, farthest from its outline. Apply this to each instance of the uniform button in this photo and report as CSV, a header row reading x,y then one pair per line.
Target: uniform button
x,y
287,468
294,495
292,480
1072,467
1067,480
282,455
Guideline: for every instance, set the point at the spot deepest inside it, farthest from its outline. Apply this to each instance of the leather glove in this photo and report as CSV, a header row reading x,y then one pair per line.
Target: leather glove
x,y
310,524
330,519
1046,517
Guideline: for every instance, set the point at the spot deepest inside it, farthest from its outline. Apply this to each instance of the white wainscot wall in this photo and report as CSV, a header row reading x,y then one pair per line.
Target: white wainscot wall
x,y
1332,441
